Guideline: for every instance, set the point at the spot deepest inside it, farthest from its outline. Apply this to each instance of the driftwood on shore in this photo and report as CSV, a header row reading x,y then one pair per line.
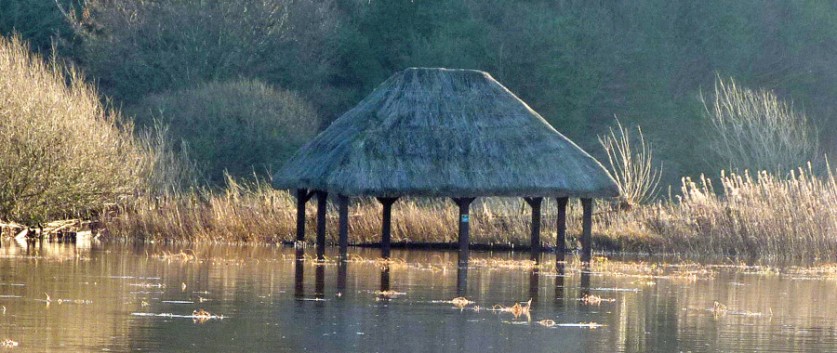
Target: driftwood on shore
x,y
48,230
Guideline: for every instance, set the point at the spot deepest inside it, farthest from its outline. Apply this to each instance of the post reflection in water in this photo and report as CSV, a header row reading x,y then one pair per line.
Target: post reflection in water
x,y
462,280
534,276
319,281
534,284
299,285
559,284
341,276
385,278
34,248
585,279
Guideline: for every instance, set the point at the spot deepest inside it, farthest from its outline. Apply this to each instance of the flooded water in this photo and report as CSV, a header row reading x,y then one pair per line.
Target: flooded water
x,y
113,297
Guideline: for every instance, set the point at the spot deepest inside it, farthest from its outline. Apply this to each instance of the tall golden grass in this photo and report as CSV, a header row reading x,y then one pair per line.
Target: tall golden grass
x,y
748,216
752,216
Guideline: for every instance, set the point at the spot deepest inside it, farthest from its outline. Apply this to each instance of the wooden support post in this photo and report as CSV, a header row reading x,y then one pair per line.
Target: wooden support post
x,y
343,228
386,225
535,239
322,202
587,230
561,241
464,204
302,197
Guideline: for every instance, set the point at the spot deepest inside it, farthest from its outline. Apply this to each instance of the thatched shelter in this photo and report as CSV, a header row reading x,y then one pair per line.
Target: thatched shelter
x,y
443,133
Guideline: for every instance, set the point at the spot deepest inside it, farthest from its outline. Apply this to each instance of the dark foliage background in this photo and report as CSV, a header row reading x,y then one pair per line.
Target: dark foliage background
x,y
578,63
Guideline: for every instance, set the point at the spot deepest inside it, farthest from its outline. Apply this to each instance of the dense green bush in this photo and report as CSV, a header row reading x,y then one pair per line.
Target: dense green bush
x,y
134,48
61,150
240,126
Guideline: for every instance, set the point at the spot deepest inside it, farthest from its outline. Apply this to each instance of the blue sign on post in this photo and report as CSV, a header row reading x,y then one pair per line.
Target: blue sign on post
x,y
464,218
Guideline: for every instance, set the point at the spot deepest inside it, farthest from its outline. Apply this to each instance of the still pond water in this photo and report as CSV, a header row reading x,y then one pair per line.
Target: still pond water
x,y
115,298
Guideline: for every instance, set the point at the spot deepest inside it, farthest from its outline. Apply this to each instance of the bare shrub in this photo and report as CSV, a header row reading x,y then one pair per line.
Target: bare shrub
x,y
630,163
61,150
755,130
169,170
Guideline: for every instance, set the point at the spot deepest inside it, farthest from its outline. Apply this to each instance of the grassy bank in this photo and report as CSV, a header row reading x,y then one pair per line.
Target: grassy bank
x,y
742,216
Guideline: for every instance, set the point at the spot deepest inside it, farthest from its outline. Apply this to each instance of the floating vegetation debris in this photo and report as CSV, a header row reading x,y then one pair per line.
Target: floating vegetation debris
x,y
7,343
630,290
547,323
201,316
718,310
517,310
197,314
590,325
147,285
388,294
459,302
49,300
183,255
592,299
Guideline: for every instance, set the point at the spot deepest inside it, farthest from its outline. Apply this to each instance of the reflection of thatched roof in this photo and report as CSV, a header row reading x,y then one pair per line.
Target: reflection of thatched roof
x,y
440,132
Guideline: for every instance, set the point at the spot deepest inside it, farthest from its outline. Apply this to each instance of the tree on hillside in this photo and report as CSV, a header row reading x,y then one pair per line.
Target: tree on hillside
x,y
134,48
39,22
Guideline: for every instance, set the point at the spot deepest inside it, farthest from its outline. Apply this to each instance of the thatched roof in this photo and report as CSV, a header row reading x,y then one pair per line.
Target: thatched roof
x,y
442,132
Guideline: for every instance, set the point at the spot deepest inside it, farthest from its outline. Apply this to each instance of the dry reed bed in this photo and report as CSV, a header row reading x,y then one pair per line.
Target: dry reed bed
x,y
257,212
759,216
